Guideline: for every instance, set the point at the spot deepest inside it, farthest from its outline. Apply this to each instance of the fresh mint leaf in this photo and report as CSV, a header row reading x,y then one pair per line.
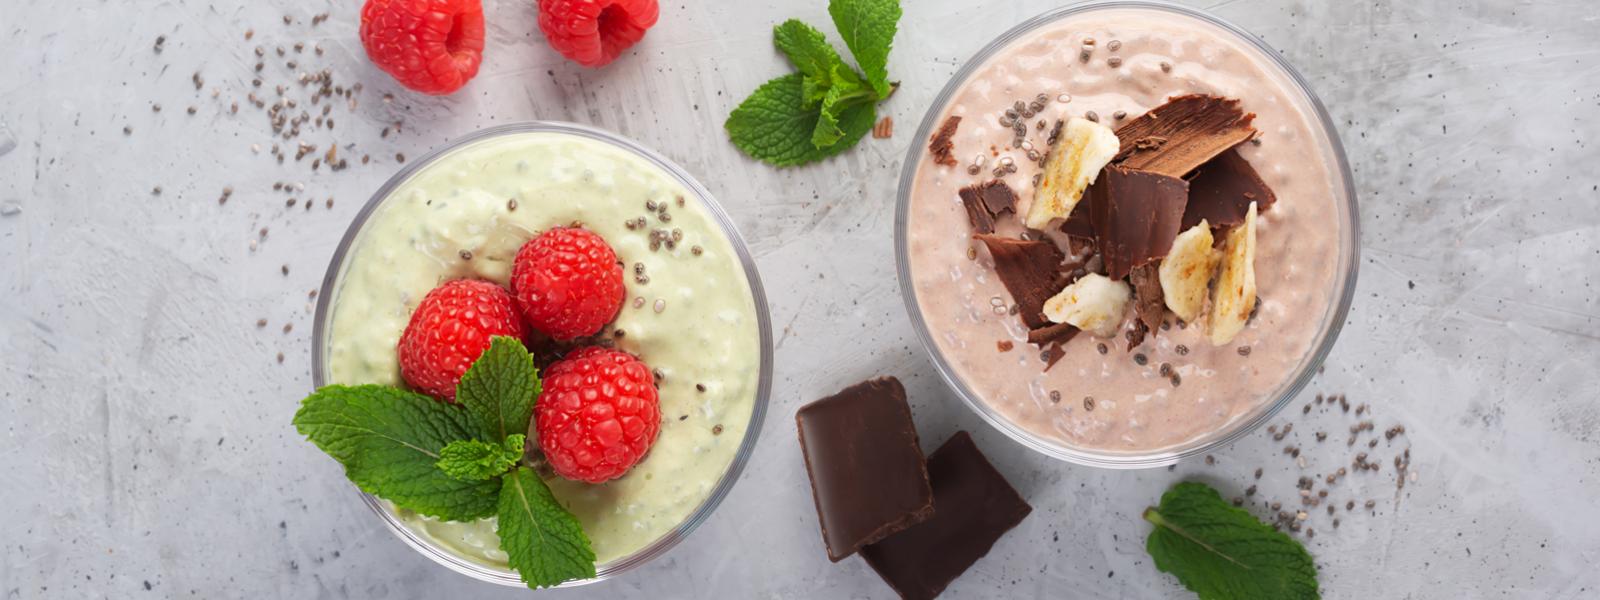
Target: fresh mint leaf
x,y
389,440
542,540
499,389
771,125
474,460
868,28
811,54
846,90
813,88
1222,553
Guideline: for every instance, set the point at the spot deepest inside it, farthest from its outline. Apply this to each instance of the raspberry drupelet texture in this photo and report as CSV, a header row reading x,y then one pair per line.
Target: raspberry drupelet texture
x,y
431,46
568,283
598,414
452,326
593,33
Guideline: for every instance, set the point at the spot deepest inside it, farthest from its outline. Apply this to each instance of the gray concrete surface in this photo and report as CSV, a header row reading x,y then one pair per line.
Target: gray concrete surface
x,y
145,446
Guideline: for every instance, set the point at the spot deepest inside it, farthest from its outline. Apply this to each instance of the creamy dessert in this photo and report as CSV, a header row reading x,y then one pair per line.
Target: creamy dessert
x,y
1109,67
688,311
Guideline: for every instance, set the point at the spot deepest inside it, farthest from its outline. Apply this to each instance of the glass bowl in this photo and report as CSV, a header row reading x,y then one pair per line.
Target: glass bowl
x,y
1344,275
658,547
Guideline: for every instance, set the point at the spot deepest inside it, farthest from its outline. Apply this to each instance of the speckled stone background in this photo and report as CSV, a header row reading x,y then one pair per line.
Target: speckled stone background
x,y
145,446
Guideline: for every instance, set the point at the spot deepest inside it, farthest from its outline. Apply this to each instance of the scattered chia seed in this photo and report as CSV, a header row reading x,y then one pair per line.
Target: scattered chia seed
x,y
1119,115
1055,397
1244,351
1114,45
1114,62
280,358
464,254
161,43
716,430
661,305
1141,359
1092,116
1166,67
1101,348
1088,403
288,327
700,387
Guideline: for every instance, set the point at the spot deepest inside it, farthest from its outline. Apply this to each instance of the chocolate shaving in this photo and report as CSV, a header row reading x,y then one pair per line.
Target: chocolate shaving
x,y
1179,136
1136,334
1079,228
1058,332
941,145
1221,192
1136,215
1149,302
1030,270
978,215
1053,355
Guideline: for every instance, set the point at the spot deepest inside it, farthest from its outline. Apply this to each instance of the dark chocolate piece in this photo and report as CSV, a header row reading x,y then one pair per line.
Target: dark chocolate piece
x,y
1079,228
1179,136
998,196
1057,332
868,477
1136,334
985,201
975,506
1221,192
1136,216
978,215
941,145
1030,270
1052,355
1148,301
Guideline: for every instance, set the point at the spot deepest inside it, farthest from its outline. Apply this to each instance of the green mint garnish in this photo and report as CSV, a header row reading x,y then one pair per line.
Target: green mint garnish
x,y
472,460
868,28
543,541
1221,552
389,440
827,106
499,389
457,462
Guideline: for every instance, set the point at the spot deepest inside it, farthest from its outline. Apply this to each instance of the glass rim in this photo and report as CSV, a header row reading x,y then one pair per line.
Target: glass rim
x,y
724,485
1333,321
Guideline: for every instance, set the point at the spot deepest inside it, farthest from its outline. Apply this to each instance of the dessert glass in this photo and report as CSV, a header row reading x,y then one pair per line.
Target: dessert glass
x,y
1329,323
331,285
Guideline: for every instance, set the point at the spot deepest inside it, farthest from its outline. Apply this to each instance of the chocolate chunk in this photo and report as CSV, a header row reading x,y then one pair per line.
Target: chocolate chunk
x,y
1136,215
1052,355
985,201
868,477
940,145
1221,192
1030,270
1079,228
978,215
1055,332
975,506
1179,136
1148,301
1136,334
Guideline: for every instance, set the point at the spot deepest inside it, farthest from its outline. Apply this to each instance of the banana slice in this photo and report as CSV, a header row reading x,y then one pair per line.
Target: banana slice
x,y
1085,147
1187,270
1093,303
1235,294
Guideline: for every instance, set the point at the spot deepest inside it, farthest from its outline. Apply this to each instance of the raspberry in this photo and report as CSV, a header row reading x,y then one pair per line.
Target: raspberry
x,y
431,46
448,331
567,282
593,33
598,414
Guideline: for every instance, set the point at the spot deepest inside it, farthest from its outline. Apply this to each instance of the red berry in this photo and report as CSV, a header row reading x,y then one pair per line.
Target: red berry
x,y
598,414
567,282
431,46
448,331
593,33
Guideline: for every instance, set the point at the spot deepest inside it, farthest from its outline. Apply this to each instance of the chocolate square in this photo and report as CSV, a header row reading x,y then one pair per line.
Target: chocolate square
x,y
974,506
868,476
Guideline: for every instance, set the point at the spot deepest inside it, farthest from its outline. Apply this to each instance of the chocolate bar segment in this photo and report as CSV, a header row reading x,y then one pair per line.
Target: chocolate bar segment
x,y
1031,270
974,505
1179,136
1222,190
868,476
1148,300
978,215
941,146
985,201
1136,216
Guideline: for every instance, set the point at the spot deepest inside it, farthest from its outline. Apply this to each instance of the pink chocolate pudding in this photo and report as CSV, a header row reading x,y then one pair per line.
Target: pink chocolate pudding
x,y
1176,387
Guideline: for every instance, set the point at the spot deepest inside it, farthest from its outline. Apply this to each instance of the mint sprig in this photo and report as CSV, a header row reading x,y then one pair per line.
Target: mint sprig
x,y
1221,552
542,540
389,440
826,106
499,389
472,460
457,462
